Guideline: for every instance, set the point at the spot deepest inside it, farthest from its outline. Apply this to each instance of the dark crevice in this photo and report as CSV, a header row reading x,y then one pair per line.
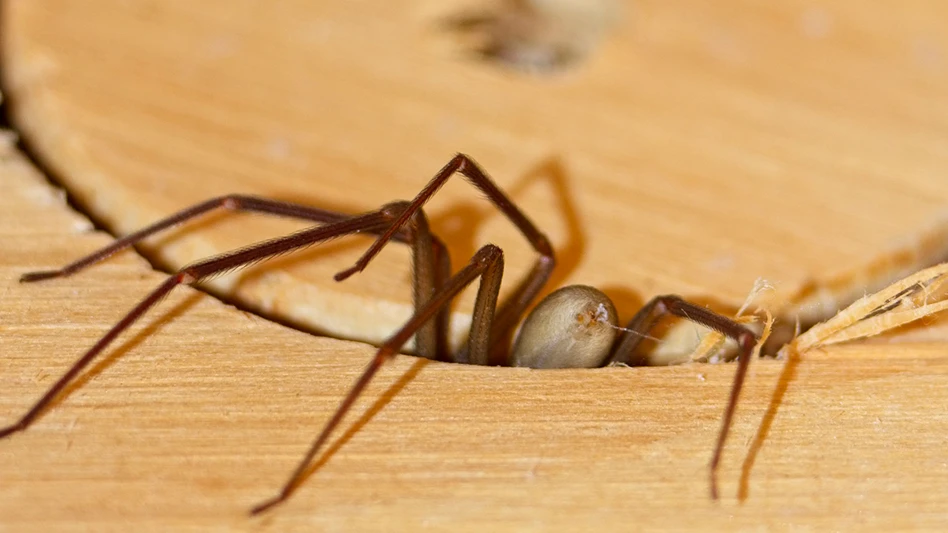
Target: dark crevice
x,y
34,156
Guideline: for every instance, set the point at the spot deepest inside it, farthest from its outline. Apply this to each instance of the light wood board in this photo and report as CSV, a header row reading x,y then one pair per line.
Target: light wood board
x,y
700,148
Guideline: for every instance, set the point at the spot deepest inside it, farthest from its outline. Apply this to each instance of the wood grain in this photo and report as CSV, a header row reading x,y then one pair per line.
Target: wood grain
x,y
701,147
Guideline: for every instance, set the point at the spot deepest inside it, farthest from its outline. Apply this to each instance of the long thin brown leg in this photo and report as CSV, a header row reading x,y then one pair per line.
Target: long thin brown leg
x,y
746,339
428,252
231,202
431,268
510,311
370,222
488,263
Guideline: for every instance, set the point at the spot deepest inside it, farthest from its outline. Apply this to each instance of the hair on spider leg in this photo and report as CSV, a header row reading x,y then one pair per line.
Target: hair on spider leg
x,y
572,327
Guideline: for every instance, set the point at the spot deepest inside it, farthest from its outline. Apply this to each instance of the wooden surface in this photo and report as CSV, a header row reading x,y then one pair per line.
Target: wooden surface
x,y
701,147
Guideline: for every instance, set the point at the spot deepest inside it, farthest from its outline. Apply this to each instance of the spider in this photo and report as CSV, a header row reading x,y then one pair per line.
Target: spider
x,y
573,327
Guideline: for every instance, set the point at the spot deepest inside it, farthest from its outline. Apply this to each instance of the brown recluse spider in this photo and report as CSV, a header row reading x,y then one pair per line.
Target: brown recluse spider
x,y
573,327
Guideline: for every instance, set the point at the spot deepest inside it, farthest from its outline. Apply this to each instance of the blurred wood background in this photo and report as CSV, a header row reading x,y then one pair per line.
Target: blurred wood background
x,y
699,147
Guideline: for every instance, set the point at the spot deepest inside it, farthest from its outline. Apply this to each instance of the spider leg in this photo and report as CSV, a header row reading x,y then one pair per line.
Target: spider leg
x,y
488,264
512,308
431,264
230,202
376,221
746,339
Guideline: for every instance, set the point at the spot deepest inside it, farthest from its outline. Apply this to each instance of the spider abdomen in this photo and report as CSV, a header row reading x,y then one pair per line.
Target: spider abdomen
x,y
573,327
